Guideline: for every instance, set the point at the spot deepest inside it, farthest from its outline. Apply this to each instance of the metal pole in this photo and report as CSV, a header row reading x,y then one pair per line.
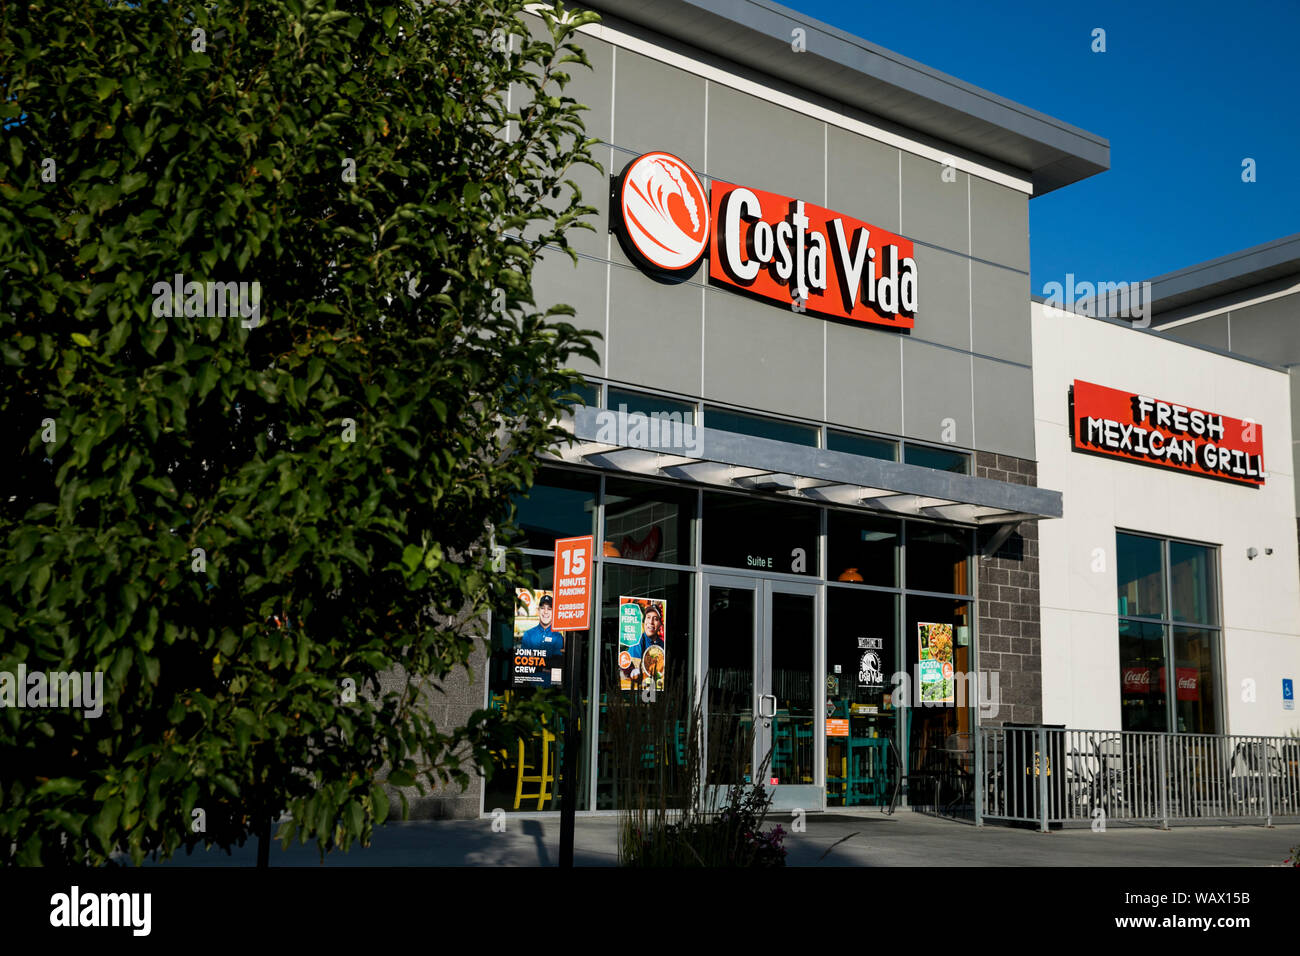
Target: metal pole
x,y
569,765
1041,769
1164,780
1268,783
979,775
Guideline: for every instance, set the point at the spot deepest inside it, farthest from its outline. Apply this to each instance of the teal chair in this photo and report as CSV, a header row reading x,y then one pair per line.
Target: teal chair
x,y
868,769
803,752
783,757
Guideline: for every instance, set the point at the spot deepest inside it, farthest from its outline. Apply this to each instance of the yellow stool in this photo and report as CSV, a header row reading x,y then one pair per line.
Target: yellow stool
x,y
544,779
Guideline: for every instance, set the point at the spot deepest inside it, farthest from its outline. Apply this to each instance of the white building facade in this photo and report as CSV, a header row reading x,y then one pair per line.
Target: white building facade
x,y
1170,598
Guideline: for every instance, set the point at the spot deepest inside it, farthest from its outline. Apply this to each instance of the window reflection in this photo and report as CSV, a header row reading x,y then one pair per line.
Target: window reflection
x,y
1195,690
648,522
938,458
1138,566
863,549
937,558
1142,676
760,535
1192,583
562,504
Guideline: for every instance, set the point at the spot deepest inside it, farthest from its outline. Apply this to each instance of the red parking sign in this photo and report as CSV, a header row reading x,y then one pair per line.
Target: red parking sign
x,y
572,583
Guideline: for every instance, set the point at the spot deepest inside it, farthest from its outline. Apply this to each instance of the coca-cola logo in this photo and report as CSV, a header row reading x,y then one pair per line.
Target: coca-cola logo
x,y
1187,678
665,212
1137,680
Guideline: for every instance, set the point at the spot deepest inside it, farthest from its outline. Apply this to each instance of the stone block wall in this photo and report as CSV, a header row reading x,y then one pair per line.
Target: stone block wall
x,y
1010,639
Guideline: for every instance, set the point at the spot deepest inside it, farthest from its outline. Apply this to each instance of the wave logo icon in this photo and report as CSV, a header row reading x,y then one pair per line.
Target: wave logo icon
x,y
665,212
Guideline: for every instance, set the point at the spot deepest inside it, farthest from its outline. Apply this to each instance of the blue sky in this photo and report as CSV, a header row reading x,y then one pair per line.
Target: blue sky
x,y
1184,92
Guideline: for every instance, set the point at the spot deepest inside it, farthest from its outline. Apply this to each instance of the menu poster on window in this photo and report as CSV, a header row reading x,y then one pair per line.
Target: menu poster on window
x,y
935,662
871,672
538,659
642,657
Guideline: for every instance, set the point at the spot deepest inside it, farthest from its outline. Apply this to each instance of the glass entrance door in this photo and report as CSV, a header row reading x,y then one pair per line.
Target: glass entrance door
x,y
760,645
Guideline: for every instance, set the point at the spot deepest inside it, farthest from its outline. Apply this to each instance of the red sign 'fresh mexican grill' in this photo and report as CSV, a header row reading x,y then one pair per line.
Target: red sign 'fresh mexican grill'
x,y
1139,428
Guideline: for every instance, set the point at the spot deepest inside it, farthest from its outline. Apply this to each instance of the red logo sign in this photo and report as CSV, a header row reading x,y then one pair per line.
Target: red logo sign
x,y
1119,424
665,212
774,247
799,254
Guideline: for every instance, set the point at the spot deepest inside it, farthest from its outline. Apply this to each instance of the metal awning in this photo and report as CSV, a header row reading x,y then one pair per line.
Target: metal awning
x,y
707,456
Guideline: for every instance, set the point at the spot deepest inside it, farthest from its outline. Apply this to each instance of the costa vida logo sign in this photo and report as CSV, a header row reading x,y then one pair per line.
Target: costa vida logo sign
x,y
766,245
665,211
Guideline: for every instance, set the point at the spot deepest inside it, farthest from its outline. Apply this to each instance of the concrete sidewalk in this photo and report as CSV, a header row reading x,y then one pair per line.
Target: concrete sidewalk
x,y
870,838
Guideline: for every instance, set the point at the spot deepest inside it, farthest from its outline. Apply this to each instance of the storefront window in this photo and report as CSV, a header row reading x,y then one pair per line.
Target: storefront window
x,y
863,445
729,672
759,535
775,429
582,395
1142,676
1195,664
648,522
938,458
937,640
861,657
863,549
527,775
938,558
1192,582
1168,584
641,403
562,504
1141,584
645,640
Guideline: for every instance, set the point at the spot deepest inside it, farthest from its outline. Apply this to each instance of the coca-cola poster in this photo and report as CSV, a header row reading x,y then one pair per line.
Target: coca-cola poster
x,y
1139,680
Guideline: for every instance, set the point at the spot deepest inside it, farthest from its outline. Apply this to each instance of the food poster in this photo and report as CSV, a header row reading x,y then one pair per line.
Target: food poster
x,y
642,655
935,662
538,659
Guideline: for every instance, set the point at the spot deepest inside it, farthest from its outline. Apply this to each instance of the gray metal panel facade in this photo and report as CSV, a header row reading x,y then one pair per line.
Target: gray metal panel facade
x,y
999,224
1268,329
753,143
661,108
864,380
998,411
996,297
862,174
1212,331
711,343
757,35
934,209
936,388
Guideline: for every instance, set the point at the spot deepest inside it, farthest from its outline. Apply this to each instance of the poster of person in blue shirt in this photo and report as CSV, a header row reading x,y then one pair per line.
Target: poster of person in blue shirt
x,y
539,649
642,656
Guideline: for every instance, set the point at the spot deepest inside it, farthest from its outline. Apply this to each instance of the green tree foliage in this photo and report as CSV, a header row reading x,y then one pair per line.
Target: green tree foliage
x,y
338,458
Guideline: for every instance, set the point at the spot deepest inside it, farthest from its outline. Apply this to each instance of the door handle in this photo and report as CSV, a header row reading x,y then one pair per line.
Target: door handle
x,y
762,712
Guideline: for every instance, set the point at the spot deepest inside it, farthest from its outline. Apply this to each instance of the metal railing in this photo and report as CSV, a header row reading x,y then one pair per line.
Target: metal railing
x,y
1052,776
